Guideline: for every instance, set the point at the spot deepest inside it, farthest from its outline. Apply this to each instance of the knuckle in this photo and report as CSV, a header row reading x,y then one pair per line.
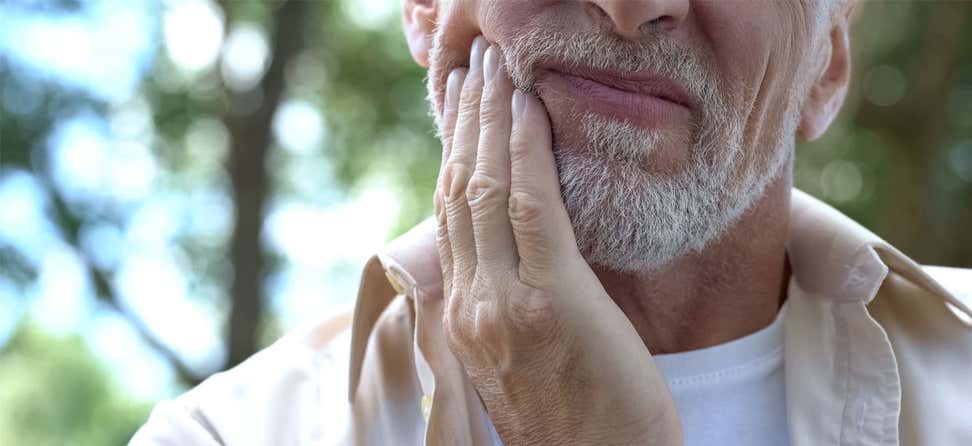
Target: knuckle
x,y
450,315
442,235
519,137
491,114
456,179
526,209
533,313
473,325
438,208
484,190
451,331
470,103
458,327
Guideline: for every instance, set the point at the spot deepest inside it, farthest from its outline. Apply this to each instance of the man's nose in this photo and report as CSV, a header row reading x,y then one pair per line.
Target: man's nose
x,y
630,18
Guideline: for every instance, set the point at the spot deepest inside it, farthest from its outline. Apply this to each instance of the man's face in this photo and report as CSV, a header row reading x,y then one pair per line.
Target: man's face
x,y
669,117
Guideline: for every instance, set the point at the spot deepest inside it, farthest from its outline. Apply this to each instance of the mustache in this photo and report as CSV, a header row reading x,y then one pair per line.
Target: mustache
x,y
656,53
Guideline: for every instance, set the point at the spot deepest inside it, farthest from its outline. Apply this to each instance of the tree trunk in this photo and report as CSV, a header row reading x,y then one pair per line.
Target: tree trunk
x,y
250,136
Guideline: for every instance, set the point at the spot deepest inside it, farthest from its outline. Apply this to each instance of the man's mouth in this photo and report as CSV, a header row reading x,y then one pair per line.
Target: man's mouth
x,y
643,99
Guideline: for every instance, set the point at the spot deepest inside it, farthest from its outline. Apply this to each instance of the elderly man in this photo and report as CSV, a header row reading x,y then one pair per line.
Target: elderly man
x,y
618,256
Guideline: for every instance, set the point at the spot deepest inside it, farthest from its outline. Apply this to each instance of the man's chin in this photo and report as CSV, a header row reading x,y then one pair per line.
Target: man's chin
x,y
620,145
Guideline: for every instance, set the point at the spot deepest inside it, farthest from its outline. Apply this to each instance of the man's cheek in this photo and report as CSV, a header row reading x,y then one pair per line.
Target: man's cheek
x,y
502,20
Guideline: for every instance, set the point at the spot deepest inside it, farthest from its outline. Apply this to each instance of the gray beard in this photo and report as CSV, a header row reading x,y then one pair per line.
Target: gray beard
x,y
631,221
625,218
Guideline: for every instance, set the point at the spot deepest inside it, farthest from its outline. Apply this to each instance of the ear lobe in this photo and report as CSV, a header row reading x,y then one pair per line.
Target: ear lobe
x,y
418,22
830,88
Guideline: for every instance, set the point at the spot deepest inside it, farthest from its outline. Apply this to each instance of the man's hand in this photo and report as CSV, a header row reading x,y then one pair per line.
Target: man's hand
x,y
554,360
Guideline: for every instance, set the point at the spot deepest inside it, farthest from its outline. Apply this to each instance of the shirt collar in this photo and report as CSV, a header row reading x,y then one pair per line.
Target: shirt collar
x,y
835,257
831,255
832,258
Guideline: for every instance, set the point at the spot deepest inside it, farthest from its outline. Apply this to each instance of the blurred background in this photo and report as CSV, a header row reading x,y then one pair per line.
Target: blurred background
x,y
183,181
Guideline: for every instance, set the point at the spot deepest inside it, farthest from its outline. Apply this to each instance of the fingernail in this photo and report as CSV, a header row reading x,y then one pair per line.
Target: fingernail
x,y
453,87
519,103
490,64
476,53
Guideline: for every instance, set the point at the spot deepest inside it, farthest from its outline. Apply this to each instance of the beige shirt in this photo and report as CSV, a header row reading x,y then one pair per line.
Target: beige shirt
x,y
878,351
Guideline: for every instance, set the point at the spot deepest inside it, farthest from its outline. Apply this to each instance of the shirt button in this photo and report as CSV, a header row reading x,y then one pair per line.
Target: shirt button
x,y
394,283
426,407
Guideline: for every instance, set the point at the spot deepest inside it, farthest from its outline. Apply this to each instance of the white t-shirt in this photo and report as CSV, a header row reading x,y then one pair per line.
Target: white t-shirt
x,y
731,393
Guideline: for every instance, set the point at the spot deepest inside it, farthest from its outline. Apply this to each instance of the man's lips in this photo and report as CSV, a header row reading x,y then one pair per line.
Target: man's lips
x,y
644,99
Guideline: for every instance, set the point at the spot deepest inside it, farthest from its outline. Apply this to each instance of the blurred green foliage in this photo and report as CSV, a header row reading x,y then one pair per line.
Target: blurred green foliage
x,y
899,157
55,392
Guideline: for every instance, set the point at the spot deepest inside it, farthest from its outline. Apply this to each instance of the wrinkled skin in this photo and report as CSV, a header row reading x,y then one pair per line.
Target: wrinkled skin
x,y
526,314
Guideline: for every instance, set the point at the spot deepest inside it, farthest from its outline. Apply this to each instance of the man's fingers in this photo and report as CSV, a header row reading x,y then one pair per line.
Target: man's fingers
x,y
488,190
449,113
459,167
540,223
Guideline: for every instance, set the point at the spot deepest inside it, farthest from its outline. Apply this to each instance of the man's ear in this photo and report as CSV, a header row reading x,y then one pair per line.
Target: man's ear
x,y
830,87
418,21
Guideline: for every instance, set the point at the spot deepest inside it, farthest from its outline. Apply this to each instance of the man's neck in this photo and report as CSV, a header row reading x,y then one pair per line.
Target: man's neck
x,y
733,288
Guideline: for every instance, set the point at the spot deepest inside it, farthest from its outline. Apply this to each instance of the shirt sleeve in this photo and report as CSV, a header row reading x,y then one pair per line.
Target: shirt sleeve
x,y
170,424
293,392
